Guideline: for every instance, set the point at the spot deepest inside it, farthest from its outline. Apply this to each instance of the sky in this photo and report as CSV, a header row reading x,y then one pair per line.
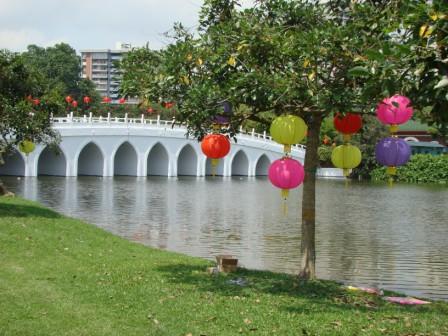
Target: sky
x,y
93,24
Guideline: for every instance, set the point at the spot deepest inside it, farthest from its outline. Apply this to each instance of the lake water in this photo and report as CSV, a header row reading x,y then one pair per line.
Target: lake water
x,y
367,234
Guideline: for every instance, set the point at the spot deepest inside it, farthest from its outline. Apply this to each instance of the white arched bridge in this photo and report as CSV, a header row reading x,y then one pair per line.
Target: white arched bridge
x,y
140,147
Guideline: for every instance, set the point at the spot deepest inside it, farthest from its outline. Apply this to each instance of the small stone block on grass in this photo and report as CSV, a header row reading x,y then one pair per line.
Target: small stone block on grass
x,y
226,263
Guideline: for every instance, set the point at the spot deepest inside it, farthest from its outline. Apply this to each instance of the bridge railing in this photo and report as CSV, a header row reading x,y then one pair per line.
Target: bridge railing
x,y
70,120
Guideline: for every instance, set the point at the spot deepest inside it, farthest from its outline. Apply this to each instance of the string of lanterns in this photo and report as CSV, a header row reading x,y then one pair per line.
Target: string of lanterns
x,y
287,173
393,151
346,156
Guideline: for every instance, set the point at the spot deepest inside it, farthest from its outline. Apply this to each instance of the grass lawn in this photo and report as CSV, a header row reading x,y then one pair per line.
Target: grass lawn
x,y
61,276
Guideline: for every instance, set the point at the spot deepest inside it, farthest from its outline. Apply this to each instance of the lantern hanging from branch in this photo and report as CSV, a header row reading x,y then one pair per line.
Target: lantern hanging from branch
x,y
26,146
87,100
347,124
107,100
346,156
286,173
288,130
122,100
392,152
215,146
394,111
68,99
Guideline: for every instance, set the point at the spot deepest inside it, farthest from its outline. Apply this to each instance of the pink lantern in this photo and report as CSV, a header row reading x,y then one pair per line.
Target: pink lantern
x,y
395,110
286,173
122,100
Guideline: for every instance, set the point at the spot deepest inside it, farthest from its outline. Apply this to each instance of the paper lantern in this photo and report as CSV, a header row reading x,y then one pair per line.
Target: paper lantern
x,y
75,104
87,100
26,146
215,147
122,100
286,173
346,157
394,111
107,100
392,152
36,102
68,99
288,130
347,124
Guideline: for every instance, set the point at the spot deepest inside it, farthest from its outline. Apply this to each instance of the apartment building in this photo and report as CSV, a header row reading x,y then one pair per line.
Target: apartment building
x,y
99,66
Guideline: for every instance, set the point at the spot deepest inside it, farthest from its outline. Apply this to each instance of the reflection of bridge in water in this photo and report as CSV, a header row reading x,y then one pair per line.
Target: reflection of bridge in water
x,y
139,147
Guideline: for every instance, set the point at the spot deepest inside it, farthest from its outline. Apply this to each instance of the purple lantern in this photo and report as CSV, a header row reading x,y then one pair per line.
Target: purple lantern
x,y
392,152
395,110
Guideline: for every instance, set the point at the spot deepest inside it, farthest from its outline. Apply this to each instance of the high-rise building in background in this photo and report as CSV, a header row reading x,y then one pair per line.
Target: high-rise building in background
x,y
99,66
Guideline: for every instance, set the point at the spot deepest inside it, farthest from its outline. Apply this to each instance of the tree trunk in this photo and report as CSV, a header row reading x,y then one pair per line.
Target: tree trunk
x,y
308,247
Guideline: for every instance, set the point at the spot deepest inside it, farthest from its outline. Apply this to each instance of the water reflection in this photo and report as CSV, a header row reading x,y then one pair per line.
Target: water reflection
x,y
394,238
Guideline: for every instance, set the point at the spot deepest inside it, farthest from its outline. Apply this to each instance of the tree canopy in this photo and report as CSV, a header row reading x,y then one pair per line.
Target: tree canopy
x,y
301,57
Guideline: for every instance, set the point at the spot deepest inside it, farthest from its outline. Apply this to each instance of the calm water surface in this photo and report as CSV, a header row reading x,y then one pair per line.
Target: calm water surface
x,y
394,238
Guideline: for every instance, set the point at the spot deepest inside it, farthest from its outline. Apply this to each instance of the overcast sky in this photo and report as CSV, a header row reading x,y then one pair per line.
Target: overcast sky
x,y
93,24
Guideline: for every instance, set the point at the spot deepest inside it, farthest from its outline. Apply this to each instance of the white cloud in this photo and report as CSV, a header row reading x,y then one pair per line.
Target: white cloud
x,y
88,24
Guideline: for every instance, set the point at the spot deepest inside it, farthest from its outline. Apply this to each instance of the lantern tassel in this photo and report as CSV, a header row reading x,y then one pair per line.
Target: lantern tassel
x,y
347,138
287,149
215,163
285,193
346,172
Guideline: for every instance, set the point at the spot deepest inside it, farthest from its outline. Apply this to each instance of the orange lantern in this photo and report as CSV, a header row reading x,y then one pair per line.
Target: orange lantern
x,y
215,147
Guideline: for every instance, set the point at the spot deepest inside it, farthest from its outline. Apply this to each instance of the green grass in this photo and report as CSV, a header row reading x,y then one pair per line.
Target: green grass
x,y
60,276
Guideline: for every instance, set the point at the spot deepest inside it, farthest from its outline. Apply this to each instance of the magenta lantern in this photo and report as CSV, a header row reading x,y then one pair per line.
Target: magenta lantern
x,y
286,173
395,110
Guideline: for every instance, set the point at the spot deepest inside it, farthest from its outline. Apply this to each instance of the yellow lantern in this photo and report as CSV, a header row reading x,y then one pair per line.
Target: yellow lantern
x,y
346,157
288,130
26,146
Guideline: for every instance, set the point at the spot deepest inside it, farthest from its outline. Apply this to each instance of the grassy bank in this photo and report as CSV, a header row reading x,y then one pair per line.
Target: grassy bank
x,y
60,276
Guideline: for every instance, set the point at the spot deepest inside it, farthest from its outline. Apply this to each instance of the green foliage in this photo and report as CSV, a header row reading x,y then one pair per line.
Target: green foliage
x,y
58,70
324,154
106,285
369,135
413,62
20,118
421,168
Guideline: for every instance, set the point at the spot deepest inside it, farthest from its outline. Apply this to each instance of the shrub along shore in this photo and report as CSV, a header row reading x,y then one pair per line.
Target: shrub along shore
x,y
61,276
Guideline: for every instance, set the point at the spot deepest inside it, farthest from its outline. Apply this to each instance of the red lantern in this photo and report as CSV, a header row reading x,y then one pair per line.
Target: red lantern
x,y
150,110
36,102
87,100
122,100
106,100
169,105
68,99
75,104
215,146
348,124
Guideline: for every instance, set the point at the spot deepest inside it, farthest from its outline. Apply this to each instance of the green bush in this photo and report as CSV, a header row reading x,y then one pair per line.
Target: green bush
x,y
421,168
324,154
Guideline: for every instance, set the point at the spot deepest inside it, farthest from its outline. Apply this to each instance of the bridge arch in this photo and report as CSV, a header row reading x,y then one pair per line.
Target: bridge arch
x,y
187,161
14,164
157,160
125,160
90,160
262,165
52,161
240,164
